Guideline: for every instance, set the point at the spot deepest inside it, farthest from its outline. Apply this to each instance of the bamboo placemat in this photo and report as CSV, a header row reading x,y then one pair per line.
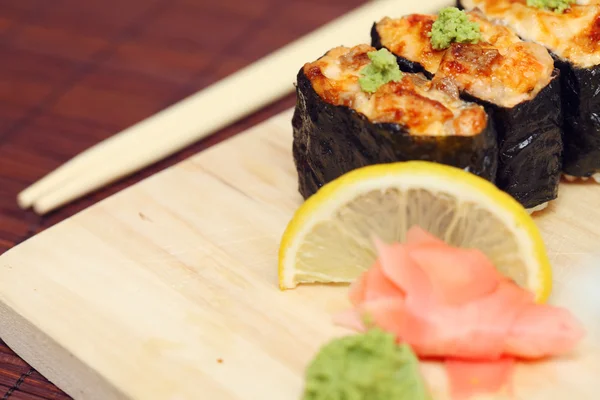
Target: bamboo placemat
x,y
74,72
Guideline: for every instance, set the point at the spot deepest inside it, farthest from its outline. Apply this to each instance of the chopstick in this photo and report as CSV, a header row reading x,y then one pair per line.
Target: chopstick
x,y
205,112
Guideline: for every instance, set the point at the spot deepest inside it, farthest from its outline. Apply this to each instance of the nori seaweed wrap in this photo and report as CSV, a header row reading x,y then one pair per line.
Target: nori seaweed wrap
x,y
574,42
530,146
342,128
514,80
581,105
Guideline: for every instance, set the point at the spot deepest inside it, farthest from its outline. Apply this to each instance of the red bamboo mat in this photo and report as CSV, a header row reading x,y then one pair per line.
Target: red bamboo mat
x,y
74,72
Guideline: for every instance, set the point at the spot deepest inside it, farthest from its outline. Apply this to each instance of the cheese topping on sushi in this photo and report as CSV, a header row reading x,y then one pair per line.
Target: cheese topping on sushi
x,y
409,37
500,69
573,35
411,101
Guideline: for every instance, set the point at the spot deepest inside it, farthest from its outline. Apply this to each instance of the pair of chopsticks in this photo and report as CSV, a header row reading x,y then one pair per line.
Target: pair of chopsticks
x,y
205,112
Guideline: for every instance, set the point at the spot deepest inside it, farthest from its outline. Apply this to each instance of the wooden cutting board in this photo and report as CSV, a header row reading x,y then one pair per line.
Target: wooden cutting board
x,y
168,290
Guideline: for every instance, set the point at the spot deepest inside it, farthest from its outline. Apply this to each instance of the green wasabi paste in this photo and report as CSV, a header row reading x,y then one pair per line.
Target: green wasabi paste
x,y
558,6
369,366
453,25
382,69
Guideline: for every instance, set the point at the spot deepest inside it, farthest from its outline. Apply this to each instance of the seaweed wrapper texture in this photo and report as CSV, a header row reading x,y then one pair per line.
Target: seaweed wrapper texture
x,y
581,108
331,140
530,145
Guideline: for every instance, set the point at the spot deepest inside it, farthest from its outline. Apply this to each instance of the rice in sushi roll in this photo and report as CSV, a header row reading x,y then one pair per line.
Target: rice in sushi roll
x,y
572,36
340,123
515,80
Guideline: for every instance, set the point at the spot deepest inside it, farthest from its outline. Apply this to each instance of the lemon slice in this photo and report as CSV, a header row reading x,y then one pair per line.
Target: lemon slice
x,y
329,238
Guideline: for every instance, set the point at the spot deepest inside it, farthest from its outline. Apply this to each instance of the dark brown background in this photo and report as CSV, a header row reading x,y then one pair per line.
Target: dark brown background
x,y
74,72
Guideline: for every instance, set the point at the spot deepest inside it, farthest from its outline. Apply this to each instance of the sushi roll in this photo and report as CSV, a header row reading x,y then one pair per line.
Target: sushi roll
x,y
515,80
351,112
572,35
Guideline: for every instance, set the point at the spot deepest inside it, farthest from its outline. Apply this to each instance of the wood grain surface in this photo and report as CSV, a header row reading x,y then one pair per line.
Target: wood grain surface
x,y
168,290
73,73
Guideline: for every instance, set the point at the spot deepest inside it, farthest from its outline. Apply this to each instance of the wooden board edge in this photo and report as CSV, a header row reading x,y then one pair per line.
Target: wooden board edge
x,y
51,359
53,362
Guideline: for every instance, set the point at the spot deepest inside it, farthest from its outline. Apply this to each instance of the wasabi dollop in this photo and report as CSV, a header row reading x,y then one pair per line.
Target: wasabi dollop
x,y
558,6
368,366
453,25
382,69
